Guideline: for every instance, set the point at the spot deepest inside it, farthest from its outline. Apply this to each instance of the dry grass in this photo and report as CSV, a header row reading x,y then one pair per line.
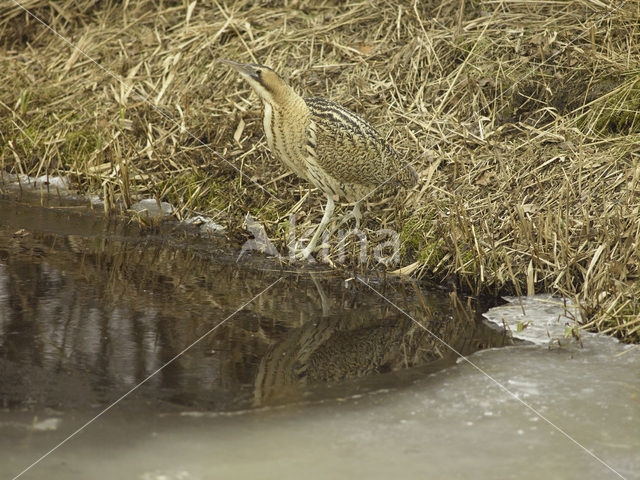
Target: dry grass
x,y
522,117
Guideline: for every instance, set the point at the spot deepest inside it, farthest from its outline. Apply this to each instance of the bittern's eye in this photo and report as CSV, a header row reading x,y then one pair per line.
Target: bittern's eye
x,y
264,80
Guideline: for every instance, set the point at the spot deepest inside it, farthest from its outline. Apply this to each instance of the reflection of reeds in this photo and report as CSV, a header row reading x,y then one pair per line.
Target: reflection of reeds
x,y
110,301
522,118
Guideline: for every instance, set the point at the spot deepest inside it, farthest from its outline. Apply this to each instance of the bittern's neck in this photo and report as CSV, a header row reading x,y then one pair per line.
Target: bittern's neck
x,y
286,119
285,99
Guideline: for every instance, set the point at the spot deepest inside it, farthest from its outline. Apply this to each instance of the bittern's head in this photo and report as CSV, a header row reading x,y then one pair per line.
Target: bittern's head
x,y
267,83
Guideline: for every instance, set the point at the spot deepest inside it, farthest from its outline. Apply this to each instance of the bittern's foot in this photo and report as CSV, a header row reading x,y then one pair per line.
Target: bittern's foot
x,y
304,255
355,213
312,246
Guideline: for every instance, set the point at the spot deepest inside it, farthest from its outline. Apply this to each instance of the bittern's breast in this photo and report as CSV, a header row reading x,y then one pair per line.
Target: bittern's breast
x,y
285,130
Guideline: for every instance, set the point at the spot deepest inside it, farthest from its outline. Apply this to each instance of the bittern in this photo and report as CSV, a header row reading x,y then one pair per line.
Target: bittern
x,y
326,144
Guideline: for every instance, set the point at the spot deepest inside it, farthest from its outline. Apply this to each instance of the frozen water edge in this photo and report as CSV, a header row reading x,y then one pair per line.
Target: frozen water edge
x,y
456,423
545,320
60,184
539,319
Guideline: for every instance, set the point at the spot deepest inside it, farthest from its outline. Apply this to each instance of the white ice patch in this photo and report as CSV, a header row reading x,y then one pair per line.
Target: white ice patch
x,y
206,225
95,200
61,183
149,206
43,181
541,319
46,425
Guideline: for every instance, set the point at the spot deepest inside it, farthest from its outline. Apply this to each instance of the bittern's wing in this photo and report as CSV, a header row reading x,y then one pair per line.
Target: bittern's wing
x,y
351,150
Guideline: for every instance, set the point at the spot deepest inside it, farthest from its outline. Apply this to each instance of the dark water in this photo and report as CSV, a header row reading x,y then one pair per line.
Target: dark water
x,y
90,307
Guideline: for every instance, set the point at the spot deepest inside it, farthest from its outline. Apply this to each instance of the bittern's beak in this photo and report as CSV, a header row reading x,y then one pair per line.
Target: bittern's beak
x,y
244,69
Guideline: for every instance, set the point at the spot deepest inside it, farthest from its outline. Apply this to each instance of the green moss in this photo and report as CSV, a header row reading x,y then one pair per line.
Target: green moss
x,y
202,191
617,114
411,235
432,253
36,138
26,140
468,258
283,229
80,144
417,240
266,213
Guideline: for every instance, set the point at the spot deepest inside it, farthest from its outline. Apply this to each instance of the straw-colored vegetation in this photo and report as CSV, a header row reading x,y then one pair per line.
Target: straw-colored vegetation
x,y
522,118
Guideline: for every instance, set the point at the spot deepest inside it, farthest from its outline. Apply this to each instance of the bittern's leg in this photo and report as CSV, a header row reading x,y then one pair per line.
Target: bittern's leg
x,y
355,213
328,211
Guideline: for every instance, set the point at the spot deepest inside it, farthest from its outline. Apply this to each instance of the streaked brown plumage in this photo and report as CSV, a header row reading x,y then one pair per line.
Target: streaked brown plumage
x,y
324,143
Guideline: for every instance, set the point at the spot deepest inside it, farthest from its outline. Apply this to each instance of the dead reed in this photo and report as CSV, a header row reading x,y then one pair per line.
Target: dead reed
x,y
522,118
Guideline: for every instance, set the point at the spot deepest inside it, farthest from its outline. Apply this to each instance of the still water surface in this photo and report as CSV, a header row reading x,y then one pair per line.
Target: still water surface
x,y
89,308
318,376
